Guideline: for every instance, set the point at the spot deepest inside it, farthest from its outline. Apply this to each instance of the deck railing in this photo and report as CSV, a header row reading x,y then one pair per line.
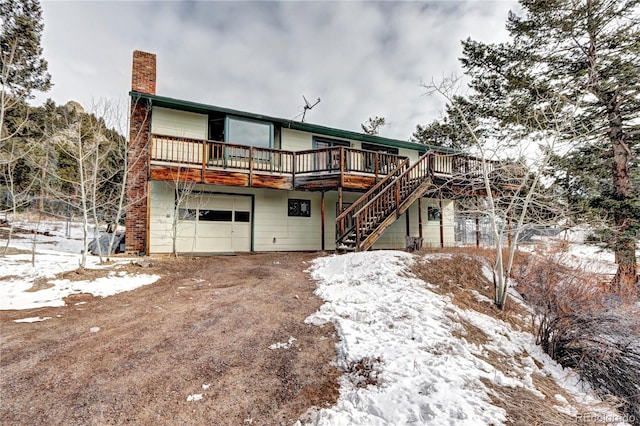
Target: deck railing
x,y
392,196
222,155
345,221
231,156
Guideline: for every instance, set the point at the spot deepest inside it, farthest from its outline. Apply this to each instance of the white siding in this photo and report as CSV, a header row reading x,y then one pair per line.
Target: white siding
x,y
431,228
295,140
274,230
176,123
161,217
413,155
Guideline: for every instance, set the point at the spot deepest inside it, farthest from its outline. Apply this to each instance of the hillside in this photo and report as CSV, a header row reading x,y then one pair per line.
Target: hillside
x,y
422,343
418,342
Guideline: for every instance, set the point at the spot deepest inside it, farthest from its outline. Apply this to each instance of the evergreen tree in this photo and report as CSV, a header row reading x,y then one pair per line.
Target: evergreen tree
x,y
23,67
573,66
450,131
373,125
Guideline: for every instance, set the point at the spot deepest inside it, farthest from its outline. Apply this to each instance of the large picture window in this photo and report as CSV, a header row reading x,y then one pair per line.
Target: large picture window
x,y
246,132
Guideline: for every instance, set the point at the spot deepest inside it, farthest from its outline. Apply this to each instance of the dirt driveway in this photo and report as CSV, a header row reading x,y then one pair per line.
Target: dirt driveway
x,y
203,329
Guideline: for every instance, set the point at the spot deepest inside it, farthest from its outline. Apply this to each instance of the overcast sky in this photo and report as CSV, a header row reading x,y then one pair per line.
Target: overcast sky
x,y
361,58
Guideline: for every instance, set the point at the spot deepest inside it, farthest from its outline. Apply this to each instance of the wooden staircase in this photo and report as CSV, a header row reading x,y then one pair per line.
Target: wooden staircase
x,y
360,225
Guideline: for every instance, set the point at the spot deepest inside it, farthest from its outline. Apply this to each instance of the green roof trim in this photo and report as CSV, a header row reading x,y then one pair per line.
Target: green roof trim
x,y
165,102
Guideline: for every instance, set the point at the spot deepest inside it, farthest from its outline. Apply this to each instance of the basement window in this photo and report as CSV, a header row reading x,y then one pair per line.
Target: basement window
x,y
300,208
433,213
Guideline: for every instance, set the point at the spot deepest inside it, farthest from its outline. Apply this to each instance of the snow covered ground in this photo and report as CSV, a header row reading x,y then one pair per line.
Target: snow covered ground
x,y
423,372
400,340
56,253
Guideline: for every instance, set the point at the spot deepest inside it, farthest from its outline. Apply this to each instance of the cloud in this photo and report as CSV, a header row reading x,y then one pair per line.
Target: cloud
x,y
361,58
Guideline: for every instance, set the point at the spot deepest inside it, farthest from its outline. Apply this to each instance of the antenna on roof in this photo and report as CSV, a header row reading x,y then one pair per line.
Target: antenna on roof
x,y
307,106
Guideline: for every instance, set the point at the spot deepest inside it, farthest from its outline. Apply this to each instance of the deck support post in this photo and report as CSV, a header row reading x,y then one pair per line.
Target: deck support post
x,y
322,220
441,223
509,228
477,230
420,218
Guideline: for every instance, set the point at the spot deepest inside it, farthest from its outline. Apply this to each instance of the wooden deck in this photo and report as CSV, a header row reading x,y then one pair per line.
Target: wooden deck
x,y
188,160
220,163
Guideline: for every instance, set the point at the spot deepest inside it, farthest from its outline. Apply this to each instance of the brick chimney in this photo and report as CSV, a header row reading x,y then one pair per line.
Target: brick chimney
x,y
143,80
143,75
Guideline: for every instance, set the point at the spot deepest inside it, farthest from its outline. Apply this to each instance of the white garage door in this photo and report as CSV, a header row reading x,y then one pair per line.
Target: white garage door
x,y
215,224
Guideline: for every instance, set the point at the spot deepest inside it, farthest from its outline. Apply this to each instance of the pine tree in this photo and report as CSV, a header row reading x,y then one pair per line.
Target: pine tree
x,y
450,131
581,57
373,125
23,69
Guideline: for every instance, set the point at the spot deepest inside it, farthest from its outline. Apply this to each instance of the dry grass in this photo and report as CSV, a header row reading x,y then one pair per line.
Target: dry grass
x,y
206,321
458,274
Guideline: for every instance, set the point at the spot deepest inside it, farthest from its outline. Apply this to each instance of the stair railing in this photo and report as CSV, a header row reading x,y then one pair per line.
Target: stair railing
x,y
390,199
344,221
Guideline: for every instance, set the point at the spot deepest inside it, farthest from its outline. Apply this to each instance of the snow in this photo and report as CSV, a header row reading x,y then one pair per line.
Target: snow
x,y
402,346
283,345
421,371
56,254
32,319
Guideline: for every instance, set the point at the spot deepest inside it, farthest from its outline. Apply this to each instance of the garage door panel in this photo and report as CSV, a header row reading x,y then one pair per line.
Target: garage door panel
x,y
222,224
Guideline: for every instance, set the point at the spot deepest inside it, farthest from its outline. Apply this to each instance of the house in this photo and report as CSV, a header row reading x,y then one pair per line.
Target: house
x,y
207,179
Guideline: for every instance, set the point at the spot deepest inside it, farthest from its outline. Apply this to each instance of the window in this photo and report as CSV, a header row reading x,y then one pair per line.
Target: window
x,y
300,208
385,164
246,132
215,215
187,214
320,143
328,160
379,148
242,217
344,207
433,213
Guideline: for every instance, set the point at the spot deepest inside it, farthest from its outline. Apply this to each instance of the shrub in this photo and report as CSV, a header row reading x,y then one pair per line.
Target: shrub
x,y
582,325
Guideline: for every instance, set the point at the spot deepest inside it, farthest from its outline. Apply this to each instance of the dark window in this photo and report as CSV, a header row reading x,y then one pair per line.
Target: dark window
x,y
385,164
242,217
328,143
379,148
187,214
330,160
344,207
433,213
215,215
300,208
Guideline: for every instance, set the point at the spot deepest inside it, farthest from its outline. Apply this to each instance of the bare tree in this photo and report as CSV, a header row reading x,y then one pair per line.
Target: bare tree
x,y
84,142
182,190
513,197
13,152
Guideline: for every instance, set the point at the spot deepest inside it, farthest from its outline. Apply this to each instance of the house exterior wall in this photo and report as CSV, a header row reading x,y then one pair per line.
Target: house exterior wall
x,y
181,124
273,229
296,140
431,228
